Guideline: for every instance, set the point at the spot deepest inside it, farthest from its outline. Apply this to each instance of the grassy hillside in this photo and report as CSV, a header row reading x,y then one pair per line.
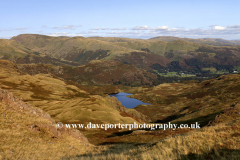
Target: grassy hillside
x,y
191,54
96,72
69,79
78,48
155,46
209,41
189,102
213,103
214,142
29,133
74,49
64,101
10,49
52,94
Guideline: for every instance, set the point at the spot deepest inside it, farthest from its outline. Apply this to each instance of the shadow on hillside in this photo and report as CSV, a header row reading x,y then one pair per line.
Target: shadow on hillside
x,y
230,154
199,122
123,143
120,134
114,151
169,118
203,120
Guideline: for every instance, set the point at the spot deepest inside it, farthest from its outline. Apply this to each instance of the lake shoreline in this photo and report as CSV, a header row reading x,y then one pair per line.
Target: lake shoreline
x,y
128,102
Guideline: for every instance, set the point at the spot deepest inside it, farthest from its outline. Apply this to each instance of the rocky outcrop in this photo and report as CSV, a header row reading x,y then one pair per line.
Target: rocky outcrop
x,y
229,114
15,104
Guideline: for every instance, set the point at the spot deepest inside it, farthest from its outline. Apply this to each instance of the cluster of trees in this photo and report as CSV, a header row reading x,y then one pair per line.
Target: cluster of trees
x,y
195,66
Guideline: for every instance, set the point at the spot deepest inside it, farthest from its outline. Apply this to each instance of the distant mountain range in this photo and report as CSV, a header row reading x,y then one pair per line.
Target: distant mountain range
x,y
70,79
158,55
209,41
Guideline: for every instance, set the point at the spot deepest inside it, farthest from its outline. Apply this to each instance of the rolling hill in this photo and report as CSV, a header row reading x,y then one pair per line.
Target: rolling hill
x,y
10,49
77,49
97,72
64,101
209,41
213,103
188,101
161,49
69,79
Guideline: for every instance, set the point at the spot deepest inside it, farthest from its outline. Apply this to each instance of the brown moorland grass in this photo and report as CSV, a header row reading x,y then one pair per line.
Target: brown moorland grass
x,y
216,142
21,141
29,133
61,100
221,139
10,49
76,47
97,72
33,48
189,102
64,47
65,102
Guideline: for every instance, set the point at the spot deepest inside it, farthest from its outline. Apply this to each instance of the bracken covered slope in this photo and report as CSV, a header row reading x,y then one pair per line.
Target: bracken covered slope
x,y
95,72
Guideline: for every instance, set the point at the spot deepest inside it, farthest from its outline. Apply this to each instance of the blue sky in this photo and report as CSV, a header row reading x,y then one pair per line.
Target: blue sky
x,y
121,18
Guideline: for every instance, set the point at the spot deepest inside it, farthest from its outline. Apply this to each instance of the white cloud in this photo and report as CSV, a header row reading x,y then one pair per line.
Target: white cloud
x,y
92,32
72,27
114,32
56,34
218,28
95,28
212,26
148,28
14,29
141,28
214,31
124,28
104,28
69,27
234,26
160,28
44,26
147,32
56,27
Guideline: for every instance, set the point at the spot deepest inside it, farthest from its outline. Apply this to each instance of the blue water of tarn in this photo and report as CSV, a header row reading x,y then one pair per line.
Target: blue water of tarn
x,y
126,101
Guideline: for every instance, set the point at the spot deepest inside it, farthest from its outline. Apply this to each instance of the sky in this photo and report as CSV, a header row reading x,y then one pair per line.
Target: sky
x,y
121,18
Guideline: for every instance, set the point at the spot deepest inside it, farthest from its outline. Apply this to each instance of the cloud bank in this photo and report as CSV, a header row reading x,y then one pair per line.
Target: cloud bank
x,y
148,32
72,27
213,31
